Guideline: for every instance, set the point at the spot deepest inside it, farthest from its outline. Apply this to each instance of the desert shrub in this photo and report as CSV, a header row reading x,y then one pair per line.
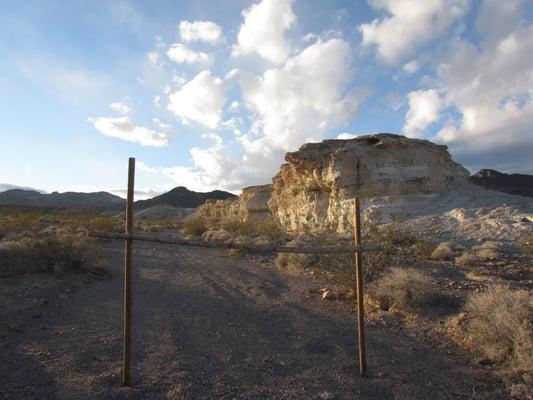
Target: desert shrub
x,y
486,251
60,253
497,324
296,261
268,228
106,224
467,259
195,226
525,244
423,248
405,288
444,251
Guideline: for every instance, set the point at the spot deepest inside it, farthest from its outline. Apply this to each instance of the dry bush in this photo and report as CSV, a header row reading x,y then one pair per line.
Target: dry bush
x,y
497,324
525,243
296,262
404,288
423,248
57,253
268,228
195,226
105,224
487,251
60,253
444,252
467,259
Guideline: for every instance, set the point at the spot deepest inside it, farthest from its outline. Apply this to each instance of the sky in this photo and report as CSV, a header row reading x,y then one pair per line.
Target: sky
x,y
212,94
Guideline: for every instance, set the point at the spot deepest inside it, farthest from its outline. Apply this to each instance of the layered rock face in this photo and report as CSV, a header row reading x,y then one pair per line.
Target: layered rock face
x,y
314,190
251,204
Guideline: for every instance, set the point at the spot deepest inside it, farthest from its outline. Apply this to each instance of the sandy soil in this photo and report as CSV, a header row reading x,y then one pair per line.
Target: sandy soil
x,y
210,326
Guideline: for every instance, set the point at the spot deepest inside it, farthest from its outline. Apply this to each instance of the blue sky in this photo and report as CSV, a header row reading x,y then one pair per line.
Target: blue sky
x,y
211,94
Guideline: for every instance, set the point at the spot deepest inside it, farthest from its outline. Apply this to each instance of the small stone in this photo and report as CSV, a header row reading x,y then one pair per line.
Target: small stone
x,y
327,396
328,295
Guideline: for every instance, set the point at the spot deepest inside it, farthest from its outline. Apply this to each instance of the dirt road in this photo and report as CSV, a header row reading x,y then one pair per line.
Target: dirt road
x,y
209,326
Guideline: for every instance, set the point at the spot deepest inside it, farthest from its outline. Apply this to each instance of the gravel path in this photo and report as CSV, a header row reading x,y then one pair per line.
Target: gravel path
x,y
209,326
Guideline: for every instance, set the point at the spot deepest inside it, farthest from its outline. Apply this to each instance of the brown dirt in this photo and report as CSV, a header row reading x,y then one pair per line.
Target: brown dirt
x,y
209,326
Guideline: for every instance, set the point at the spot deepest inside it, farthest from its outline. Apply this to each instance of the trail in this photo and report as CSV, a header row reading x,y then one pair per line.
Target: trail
x,y
209,326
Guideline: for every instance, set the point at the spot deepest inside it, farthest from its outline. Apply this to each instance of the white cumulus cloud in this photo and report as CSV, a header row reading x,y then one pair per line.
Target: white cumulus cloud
x,y
487,92
297,103
262,31
411,23
120,107
181,54
123,128
424,108
204,31
199,100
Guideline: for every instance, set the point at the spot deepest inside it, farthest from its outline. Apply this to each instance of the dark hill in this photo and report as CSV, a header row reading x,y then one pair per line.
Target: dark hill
x,y
183,197
31,198
508,183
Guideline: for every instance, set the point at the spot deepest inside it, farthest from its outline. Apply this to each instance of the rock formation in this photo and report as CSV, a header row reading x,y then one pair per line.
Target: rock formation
x,y
314,190
251,204
390,173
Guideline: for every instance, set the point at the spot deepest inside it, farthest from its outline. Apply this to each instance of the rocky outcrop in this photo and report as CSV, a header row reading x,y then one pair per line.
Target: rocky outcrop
x,y
390,173
251,204
314,189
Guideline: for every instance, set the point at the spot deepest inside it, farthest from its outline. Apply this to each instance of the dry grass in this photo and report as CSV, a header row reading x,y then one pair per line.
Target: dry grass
x,y
525,244
497,325
195,226
251,228
487,251
467,259
405,289
296,262
443,252
58,253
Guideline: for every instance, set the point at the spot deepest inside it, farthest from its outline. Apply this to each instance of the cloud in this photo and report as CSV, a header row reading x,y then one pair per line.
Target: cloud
x,y
262,31
213,168
486,92
181,54
199,100
120,107
346,135
412,23
204,31
411,67
424,108
296,103
123,128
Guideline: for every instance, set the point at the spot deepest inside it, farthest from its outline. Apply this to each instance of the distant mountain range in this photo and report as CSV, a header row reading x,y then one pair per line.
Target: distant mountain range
x,y
508,183
179,197
7,186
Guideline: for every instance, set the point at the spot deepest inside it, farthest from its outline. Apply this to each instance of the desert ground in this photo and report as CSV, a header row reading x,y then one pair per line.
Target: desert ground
x,y
208,325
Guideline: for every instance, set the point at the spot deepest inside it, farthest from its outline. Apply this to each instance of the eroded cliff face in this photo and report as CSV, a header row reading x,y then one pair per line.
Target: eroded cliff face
x,y
314,190
251,204
390,173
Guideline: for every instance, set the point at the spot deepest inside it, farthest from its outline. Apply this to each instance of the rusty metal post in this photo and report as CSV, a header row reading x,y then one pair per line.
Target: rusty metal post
x,y
126,372
359,287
